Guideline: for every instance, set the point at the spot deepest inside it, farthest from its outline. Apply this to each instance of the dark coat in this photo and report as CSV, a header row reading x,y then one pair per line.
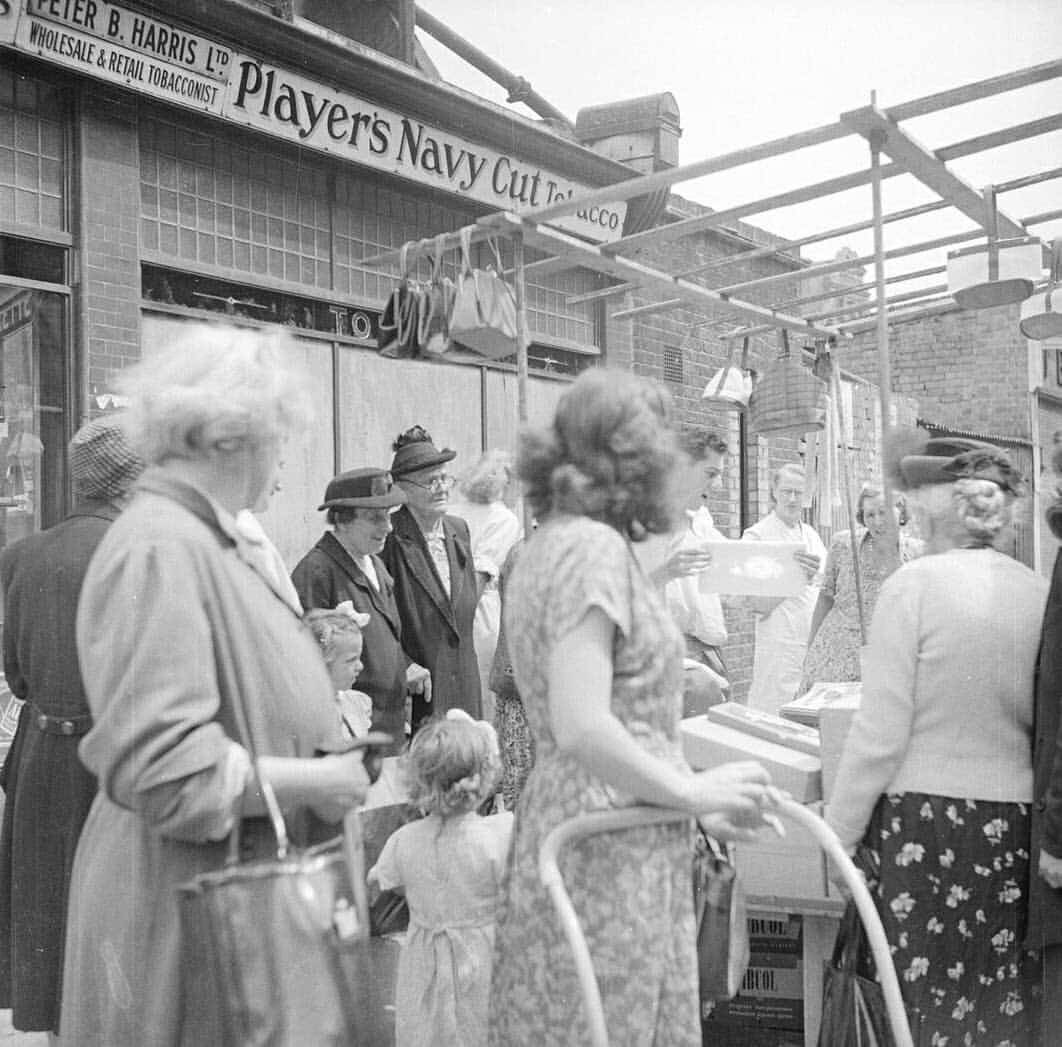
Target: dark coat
x,y
1045,903
437,629
325,577
48,791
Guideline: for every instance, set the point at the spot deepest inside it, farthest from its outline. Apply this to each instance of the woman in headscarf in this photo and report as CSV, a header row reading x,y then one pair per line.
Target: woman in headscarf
x,y
182,623
936,777
47,791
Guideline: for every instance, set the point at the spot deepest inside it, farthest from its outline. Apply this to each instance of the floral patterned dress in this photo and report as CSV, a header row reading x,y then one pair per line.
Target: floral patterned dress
x,y
632,890
951,890
833,655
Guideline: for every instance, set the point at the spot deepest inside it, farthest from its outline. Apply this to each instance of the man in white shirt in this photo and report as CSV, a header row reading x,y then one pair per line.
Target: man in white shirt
x,y
783,625
699,614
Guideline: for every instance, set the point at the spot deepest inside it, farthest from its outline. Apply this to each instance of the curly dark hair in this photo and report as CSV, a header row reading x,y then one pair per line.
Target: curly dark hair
x,y
610,454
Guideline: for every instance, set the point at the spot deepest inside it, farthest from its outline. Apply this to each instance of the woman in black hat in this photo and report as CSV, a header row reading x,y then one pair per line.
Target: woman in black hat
x,y
344,565
936,777
48,791
429,555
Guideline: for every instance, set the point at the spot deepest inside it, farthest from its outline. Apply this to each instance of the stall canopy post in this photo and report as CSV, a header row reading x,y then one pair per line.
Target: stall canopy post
x,y
520,287
877,140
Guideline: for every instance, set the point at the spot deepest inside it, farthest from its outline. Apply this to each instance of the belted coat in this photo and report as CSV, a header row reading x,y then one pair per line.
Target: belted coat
x,y
48,792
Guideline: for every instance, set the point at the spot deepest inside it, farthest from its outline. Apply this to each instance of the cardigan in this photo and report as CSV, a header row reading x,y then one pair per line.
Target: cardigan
x,y
947,703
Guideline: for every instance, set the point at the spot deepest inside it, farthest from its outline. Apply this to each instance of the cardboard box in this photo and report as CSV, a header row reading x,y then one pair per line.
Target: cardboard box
x,y
834,723
785,871
707,744
772,991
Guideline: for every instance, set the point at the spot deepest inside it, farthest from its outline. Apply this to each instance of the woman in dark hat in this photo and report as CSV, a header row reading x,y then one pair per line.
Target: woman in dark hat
x,y
429,555
345,565
48,792
936,777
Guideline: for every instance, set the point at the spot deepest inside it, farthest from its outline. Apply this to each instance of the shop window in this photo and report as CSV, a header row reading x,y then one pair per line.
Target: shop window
x,y
217,202
32,162
33,410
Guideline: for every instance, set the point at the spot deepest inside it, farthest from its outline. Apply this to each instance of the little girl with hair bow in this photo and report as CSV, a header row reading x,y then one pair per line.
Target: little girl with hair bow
x,y
449,864
338,634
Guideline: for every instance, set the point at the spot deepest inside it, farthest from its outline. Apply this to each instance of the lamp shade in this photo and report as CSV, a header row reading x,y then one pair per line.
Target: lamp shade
x,y
1041,315
1000,272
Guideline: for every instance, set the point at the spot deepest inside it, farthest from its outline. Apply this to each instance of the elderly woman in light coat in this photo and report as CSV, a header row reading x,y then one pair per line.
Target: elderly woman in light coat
x,y
179,621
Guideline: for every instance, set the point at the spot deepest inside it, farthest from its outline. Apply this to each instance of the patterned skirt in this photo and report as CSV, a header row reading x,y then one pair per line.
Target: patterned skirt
x,y
952,891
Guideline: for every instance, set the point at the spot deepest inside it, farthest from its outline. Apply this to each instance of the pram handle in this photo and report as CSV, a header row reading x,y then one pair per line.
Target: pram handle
x,y
630,817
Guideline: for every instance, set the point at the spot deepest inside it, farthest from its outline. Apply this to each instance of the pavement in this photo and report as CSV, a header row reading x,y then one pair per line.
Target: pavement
x,y
10,1038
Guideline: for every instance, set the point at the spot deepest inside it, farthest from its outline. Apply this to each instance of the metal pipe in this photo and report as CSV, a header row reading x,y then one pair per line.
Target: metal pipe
x,y
519,89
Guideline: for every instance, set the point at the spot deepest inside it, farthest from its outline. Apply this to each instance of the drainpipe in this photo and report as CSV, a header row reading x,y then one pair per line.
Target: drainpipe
x,y
519,89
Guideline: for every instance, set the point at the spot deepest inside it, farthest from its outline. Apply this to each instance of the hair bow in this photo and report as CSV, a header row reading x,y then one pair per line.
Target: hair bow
x,y
486,728
359,618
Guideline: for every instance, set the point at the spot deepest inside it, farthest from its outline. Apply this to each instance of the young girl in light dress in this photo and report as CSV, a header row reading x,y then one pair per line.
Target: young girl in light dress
x,y
450,866
338,634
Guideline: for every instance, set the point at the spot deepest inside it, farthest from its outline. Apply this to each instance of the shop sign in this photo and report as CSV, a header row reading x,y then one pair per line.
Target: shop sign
x,y
15,313
102,40
283,103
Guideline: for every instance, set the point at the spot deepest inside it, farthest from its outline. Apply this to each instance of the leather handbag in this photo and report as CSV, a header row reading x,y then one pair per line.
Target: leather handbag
x,y
276,950
401,319
788,397
484,311
853,1004
731,385
722,926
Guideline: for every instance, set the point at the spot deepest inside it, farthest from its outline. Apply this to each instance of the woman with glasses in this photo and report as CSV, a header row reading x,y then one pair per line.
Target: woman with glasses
x,y
429,555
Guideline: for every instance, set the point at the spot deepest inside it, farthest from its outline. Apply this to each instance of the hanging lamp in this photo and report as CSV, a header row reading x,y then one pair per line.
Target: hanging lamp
x,y
999,272
1041,315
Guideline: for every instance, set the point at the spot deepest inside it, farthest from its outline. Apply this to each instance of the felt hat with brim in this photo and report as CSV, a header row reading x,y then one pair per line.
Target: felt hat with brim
x,y
936,463
422,454
362,489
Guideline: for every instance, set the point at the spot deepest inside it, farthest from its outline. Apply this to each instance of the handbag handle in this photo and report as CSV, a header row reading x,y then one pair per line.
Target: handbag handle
x,y
466,250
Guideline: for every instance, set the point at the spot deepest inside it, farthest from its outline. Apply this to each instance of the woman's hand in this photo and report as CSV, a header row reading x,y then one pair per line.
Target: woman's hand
x,y
738,791
1050,869
341,782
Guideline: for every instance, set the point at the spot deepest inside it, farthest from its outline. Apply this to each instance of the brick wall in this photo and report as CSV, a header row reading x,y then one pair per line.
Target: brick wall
x,y
966,368
109,292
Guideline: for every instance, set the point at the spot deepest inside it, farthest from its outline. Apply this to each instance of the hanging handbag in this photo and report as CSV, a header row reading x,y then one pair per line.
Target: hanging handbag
x,y
788,398
722,927
437,306
276,951
484,311
853,1004
731,385
400,321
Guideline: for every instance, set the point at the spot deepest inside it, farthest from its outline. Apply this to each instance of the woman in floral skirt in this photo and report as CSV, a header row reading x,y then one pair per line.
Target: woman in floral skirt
x,y
936,775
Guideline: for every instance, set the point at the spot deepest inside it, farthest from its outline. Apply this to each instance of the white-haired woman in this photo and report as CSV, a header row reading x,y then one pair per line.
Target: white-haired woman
x,y
179,621
936,777
494,529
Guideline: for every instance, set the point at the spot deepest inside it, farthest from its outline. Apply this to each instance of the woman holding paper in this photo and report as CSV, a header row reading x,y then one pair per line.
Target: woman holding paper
x,y
598,664
936,776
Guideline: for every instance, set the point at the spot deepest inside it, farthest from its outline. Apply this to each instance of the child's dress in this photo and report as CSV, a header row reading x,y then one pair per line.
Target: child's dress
x,y
451,871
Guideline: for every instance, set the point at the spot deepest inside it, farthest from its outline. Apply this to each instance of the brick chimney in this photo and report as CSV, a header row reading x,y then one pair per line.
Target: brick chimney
x,y
642,133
